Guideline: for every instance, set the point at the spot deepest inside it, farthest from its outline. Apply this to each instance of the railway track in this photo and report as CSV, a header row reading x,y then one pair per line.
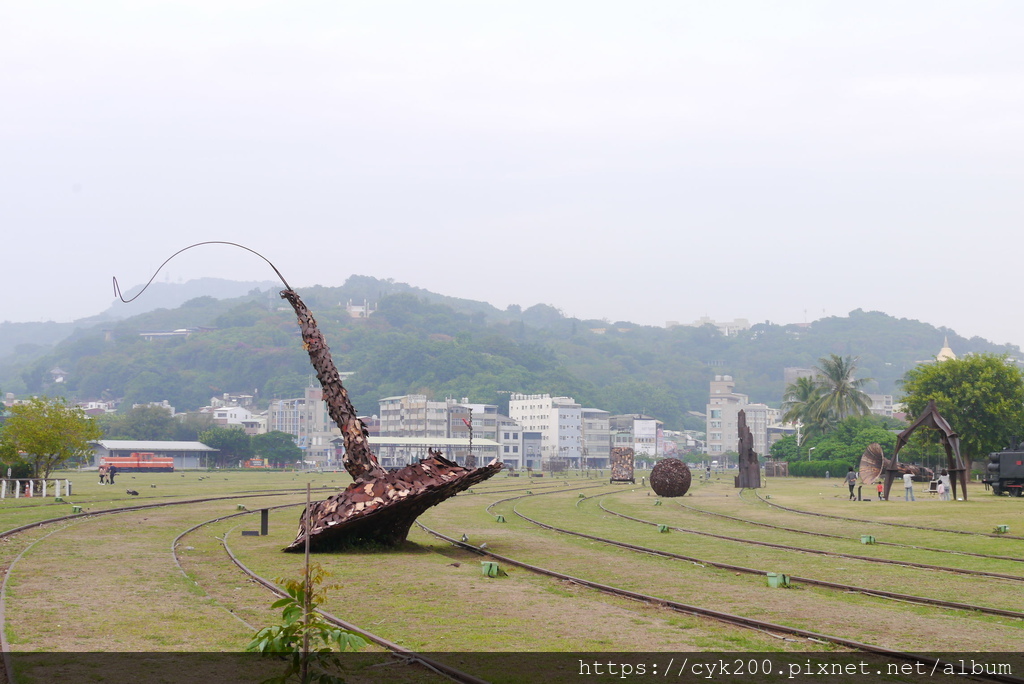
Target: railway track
x,y
757,523
780,631
822,552
909,598
880,522
409,655
774,629
406,654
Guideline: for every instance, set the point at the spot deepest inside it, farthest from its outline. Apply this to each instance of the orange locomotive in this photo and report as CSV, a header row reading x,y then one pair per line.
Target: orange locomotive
x,y
141,462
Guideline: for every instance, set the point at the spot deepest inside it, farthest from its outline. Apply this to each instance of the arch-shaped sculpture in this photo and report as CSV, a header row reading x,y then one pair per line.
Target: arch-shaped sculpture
x,y
950,441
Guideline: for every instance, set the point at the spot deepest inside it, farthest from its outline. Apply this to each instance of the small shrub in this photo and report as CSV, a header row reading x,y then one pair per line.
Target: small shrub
x,y
300,620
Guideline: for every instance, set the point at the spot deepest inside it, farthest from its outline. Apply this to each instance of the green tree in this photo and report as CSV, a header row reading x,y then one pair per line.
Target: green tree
x,y
277,447
801,405
188,426
799,400
232,442
841,393
785,449
981,396
842,447
140,423
46,432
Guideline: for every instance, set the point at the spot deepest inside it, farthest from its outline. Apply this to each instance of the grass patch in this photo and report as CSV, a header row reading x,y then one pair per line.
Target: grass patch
x,y
114,576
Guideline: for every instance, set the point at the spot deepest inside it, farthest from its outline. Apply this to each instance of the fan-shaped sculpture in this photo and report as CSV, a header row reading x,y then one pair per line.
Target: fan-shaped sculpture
x,y
671,477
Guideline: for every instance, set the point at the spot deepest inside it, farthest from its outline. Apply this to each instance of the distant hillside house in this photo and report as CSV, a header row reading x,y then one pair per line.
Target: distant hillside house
x,y
166,405
150,335
97,408
364,310
186,455
727,328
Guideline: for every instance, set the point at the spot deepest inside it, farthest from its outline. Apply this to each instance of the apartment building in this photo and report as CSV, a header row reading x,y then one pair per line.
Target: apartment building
x,y
559,420
413,415
597,437
881,404
484,419
642,433
723,408
510,439
306,419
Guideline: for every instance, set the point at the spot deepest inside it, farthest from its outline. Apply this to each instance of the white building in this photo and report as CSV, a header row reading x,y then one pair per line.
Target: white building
x,y
597,437
558,419
231,415
881,404
510,438
727,328
723,410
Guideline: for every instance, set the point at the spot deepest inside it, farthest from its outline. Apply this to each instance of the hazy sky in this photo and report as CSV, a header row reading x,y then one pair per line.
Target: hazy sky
x,y
642,161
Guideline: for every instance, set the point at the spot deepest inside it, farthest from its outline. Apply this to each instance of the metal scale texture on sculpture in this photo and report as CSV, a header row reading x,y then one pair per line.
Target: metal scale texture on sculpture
x,y
379,506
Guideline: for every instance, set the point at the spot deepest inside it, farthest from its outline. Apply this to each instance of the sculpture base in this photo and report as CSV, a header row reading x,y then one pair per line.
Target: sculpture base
x,y
380,512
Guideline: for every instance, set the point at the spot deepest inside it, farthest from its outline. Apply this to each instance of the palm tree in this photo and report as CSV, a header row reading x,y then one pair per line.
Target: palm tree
x,y
841,394
799,401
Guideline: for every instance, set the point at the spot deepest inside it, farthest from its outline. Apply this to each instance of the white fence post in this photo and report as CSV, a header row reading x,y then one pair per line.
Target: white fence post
x,y
3,489
44,489
17,489
31,488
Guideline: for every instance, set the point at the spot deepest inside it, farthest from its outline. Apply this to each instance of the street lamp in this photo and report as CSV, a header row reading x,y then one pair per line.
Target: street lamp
x,y
809,452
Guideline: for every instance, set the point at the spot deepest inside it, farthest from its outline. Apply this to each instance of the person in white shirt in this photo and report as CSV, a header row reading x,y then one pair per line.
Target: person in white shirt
x,y
947,485
908,487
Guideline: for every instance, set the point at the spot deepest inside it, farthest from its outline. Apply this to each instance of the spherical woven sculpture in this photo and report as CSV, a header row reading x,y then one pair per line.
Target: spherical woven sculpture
x,y
671,477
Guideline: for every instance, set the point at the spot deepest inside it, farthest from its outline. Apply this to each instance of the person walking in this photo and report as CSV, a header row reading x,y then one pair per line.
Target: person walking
x,y
908,487
881,490
103,474
851,480
111,473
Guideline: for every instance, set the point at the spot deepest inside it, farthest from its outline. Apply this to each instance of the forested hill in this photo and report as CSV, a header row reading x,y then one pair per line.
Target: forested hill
x,y
421,342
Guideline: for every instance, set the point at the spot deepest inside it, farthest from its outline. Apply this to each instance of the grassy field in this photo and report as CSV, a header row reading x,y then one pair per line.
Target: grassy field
x,y
110,582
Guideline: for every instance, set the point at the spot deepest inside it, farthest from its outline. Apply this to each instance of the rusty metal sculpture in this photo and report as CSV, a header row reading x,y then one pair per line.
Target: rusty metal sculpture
x,y
671,477
873,464
378,507
950,441
749,466
621,462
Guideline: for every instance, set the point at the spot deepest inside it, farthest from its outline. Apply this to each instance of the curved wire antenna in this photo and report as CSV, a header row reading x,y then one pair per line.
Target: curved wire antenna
x,y
117,288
